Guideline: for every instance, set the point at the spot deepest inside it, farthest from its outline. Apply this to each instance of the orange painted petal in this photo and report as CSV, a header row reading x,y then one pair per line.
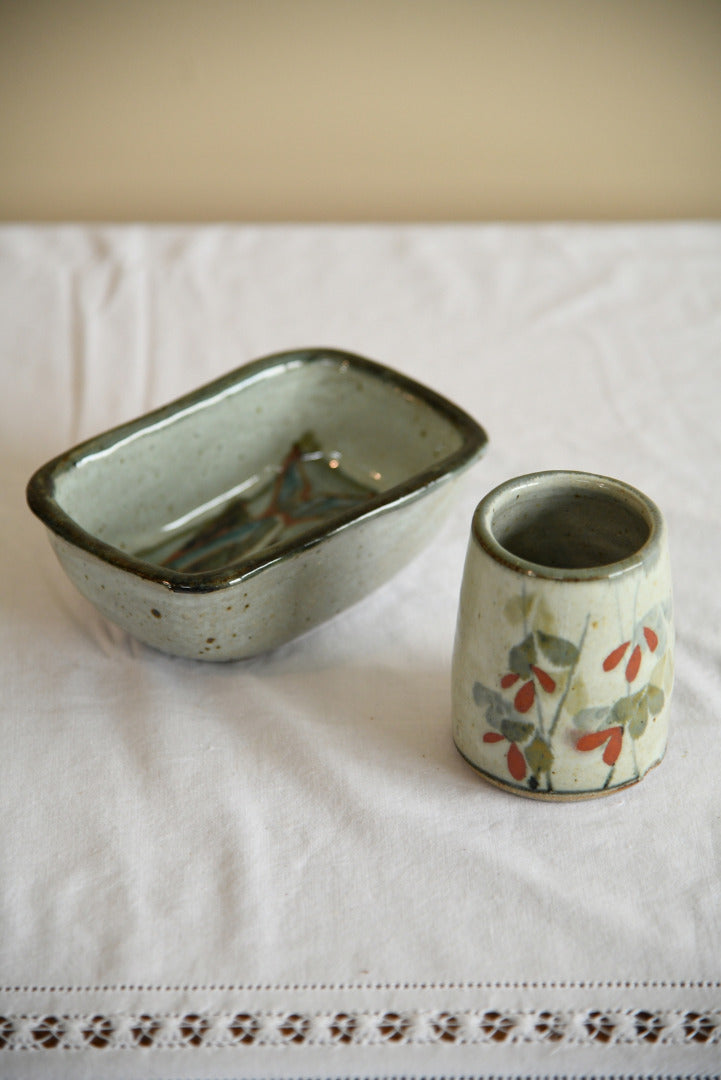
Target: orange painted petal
x,y
509,680
651,638
492,736
592,740
613,749
548,684
633,664
516,762
614,658
525,697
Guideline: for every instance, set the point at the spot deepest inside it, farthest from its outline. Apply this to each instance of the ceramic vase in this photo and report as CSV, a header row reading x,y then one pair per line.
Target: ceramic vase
x,y
563,659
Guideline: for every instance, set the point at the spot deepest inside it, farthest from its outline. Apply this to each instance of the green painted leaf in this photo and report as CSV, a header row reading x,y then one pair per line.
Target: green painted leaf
x,y
518,608
558,651
516,730
655,698
592,719
632,712
539,756
497,709
624,710
637,726
501,715
522,656
481,693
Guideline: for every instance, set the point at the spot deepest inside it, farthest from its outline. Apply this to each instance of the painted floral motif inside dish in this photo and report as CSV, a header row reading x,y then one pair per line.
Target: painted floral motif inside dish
x,y
309,487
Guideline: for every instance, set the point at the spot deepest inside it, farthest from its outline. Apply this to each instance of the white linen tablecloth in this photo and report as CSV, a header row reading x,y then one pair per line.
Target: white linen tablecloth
x,y
282,868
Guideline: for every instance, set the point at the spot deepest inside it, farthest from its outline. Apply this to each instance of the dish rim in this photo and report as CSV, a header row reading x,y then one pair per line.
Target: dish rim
x,y
40,492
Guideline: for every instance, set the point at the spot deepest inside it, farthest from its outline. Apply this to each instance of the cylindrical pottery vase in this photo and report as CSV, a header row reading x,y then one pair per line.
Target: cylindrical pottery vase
x,y
563,660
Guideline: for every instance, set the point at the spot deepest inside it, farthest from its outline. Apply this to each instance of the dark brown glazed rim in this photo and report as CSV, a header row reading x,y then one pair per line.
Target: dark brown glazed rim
x,y
589,484
41,487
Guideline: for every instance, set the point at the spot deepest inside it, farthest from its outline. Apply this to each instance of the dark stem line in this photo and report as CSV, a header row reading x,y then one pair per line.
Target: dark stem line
x,y
539,714
571,673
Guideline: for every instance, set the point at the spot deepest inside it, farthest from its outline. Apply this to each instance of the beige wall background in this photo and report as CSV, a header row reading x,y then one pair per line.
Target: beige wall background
x,y
277,110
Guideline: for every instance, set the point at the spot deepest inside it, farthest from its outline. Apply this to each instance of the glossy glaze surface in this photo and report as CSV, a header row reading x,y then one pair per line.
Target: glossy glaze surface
x,y
563,663
258,506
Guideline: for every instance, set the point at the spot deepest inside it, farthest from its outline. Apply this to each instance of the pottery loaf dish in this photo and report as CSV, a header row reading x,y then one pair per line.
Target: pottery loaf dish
x,y
253,509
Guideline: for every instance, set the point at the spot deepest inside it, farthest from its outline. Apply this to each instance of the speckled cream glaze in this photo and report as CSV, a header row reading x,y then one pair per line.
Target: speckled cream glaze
x,y
269,606
119,496
562,674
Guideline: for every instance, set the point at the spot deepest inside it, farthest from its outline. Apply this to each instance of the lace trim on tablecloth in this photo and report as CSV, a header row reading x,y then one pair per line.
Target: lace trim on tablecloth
x,y
215,1030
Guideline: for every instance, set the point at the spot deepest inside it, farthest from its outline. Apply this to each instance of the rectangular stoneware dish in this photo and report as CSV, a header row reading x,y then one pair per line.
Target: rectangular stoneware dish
x,y
243,514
